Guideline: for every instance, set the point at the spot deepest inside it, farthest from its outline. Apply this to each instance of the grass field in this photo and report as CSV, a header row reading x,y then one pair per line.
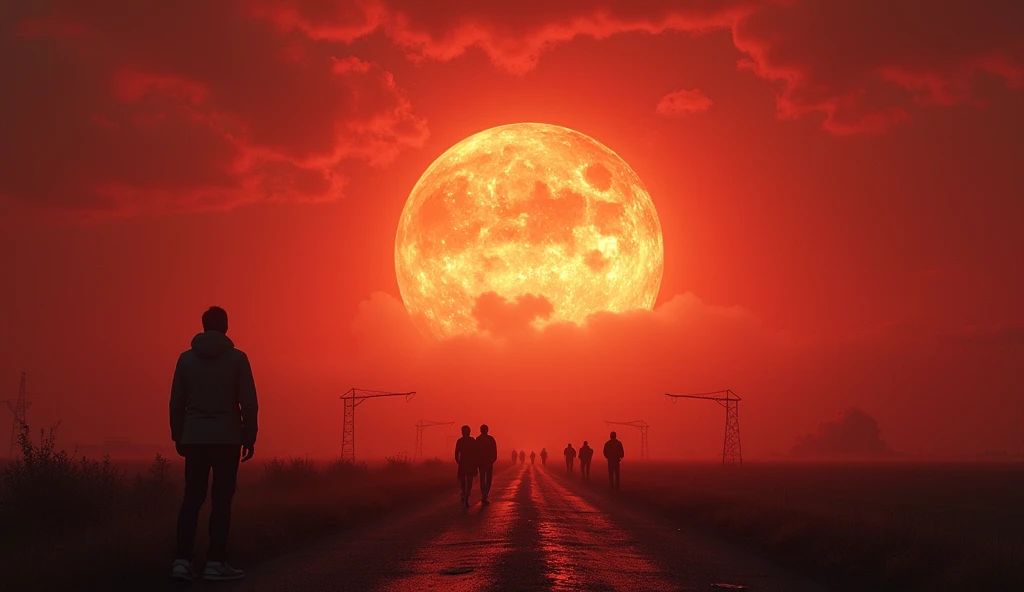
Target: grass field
x,y
860,526
85,525
68,523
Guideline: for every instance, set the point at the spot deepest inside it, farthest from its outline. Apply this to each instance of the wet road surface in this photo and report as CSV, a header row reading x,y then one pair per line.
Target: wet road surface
x,y
542,531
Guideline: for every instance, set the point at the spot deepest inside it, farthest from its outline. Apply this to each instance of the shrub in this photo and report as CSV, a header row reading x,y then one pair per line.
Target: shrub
x,y
397,463
155,487
294,471
47,487
338,468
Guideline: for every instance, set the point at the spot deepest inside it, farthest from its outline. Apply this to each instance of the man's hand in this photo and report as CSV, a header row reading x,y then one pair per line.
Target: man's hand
x,y
247,452
180,449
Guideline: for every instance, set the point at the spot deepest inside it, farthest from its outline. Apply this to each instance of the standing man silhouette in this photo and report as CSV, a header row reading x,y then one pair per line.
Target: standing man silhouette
x,y
533,457
522,456
487,451
614,453
586,454
213,413
515,455
544,456
465,457
570,456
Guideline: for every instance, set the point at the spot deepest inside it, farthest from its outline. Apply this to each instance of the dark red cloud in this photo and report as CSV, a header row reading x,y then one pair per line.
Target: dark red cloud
x,y
513,34
684,102
862,66
849,435
131,106
336,20
124,106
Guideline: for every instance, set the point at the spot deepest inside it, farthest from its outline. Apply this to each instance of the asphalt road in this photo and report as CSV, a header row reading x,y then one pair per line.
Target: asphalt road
x,y
542,531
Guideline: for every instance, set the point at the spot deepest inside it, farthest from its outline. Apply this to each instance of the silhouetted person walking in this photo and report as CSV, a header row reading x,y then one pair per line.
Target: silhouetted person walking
x,y
487,453
465,456
533,456
570,457
213,413
586,454
544,456
522,456
515,455
614,453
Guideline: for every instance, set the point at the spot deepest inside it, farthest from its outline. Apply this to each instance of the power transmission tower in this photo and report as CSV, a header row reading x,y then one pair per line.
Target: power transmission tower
x,y
732,452
419,434
642,426
353,398
19,408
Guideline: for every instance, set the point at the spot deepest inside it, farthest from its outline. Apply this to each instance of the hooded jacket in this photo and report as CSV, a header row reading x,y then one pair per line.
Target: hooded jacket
x,y
213,395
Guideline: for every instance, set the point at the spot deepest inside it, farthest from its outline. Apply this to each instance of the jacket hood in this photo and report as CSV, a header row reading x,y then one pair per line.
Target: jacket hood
x,y
211,344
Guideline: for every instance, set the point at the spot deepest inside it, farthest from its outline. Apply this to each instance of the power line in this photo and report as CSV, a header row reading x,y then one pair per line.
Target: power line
x,y
419,434
19,408
732,452
352,399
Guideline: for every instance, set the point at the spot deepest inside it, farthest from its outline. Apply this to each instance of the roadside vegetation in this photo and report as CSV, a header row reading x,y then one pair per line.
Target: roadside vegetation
x,y
855,526
69,522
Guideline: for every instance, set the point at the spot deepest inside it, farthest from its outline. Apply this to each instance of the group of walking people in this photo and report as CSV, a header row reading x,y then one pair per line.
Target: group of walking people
x,y
520,456
613,453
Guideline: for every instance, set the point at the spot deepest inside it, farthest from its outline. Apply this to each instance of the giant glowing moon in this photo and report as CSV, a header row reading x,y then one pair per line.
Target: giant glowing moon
x,y
527,211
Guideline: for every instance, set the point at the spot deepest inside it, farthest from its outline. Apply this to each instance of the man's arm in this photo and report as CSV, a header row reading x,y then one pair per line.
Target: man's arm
x,y
248,405
458,450
179,399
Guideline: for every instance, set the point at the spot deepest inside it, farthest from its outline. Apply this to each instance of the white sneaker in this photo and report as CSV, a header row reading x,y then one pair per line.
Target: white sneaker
x,y
182,570
220,570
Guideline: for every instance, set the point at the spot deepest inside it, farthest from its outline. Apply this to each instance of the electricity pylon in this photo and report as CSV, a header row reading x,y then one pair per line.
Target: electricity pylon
x,y
419,434
19,407
353,398
642,426
732,452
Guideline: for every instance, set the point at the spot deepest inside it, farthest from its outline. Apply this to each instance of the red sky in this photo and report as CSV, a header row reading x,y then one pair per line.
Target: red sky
x,y
838,183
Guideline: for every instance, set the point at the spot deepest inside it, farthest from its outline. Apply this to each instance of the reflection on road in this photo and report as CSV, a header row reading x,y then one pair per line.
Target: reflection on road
x,y
583,549
536,534
463,557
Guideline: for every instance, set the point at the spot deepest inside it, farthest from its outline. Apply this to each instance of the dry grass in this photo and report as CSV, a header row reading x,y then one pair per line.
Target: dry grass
x,y
127,533
863,527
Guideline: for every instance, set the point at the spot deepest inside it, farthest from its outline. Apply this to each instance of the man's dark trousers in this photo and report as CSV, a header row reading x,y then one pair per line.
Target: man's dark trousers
x,y
613,475
486,474
200,459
